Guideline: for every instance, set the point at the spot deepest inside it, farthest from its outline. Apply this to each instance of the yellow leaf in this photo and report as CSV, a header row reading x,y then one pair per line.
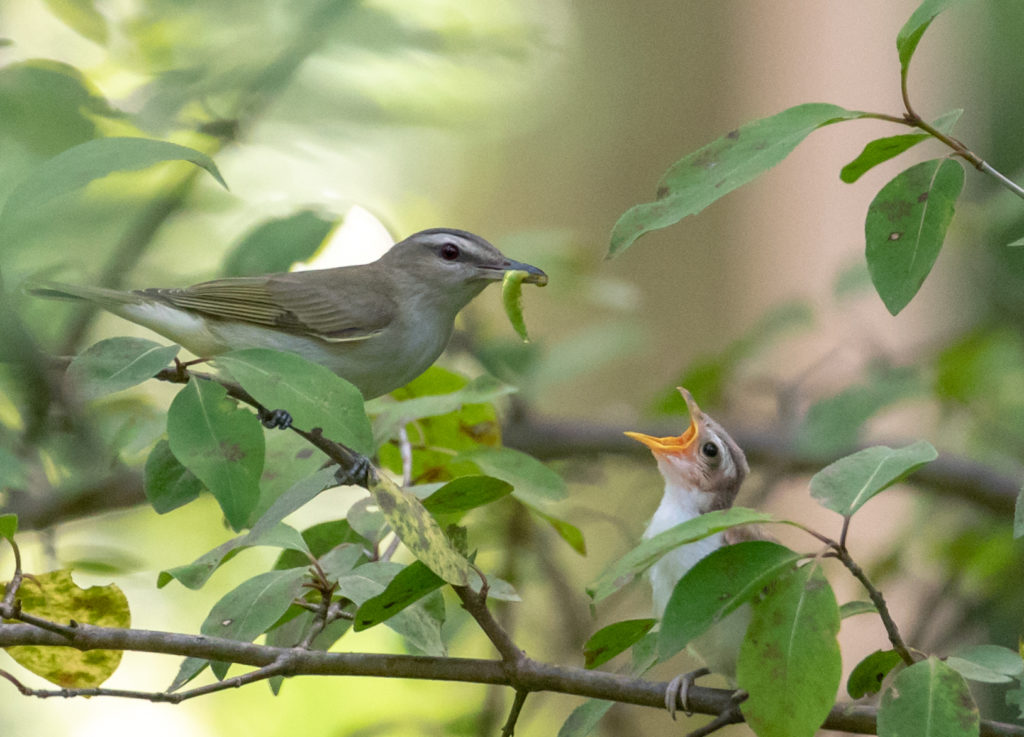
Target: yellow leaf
x,y
54,596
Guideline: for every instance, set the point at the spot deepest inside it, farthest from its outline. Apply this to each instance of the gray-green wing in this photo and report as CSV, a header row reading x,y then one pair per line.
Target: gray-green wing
x,y
312,303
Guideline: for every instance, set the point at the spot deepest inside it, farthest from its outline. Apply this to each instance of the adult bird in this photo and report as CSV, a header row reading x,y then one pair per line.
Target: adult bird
x,y
378,325
703,470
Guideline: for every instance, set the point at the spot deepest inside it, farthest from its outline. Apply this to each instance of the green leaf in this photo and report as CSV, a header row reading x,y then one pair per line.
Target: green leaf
x,y
49,107
910,35
853,608
275,245
118,363
987,663
390,415
190,668
700,178
928,699
1015,698
341,560
533,482
906,225
868,674
789,661
715,586
409,585
221,444
613,639
289,458
195,574
321,539
844,486
79,165
467,427
168,484
584,718
367,520
420,623
253,607
642,557
267,531
8,525
565,530
82,17
883,149
465,493
55,596
314,395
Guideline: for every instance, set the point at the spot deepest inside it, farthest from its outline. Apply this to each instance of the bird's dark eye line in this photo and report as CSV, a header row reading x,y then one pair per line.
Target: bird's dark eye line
x,y
449,252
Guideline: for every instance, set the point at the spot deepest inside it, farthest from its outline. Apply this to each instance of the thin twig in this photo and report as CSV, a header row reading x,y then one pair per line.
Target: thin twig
x,y
513,715
732,715
7,606
879,601
476,604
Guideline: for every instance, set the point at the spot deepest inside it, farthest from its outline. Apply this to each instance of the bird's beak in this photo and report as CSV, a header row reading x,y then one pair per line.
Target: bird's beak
x,y
674,444
534,275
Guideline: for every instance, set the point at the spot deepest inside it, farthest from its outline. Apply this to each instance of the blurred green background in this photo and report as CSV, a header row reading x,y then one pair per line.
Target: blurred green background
x,y
535,124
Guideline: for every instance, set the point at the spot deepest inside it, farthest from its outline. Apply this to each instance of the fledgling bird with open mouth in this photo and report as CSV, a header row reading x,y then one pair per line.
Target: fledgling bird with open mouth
x,y
703,470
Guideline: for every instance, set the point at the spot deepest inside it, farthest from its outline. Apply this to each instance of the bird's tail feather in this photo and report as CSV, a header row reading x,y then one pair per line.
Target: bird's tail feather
x,y
73,292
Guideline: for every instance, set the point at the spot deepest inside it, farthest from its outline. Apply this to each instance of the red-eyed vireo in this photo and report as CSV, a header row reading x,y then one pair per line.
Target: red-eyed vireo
x,y
378,325
703,470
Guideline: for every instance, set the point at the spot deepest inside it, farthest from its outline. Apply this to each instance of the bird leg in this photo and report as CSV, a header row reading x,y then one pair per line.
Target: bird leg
x,y
678,691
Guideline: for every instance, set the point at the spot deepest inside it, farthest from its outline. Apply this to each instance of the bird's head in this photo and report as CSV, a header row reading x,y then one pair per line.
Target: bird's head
x,y
455,262
704,459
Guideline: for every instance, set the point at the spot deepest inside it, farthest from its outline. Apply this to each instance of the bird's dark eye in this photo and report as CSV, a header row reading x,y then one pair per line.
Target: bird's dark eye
x,y
709,450
449,252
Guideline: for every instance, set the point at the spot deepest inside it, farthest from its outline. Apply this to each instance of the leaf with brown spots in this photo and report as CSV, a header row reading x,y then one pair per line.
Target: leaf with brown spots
x,y
906,226
57,598
700,178
928,699
789,662
420,532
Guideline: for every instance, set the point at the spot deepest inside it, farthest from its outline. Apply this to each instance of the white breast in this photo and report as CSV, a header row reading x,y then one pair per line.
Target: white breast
x,y
677,506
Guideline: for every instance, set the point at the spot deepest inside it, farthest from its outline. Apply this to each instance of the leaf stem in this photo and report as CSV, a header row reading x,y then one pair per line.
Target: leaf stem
x,y
914,120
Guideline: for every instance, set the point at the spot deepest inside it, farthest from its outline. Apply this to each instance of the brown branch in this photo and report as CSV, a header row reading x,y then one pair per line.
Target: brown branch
x,y
529,675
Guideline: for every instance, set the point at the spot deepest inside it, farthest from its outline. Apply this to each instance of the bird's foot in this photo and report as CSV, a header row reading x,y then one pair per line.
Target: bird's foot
x,y
358,474
275,418
678,691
